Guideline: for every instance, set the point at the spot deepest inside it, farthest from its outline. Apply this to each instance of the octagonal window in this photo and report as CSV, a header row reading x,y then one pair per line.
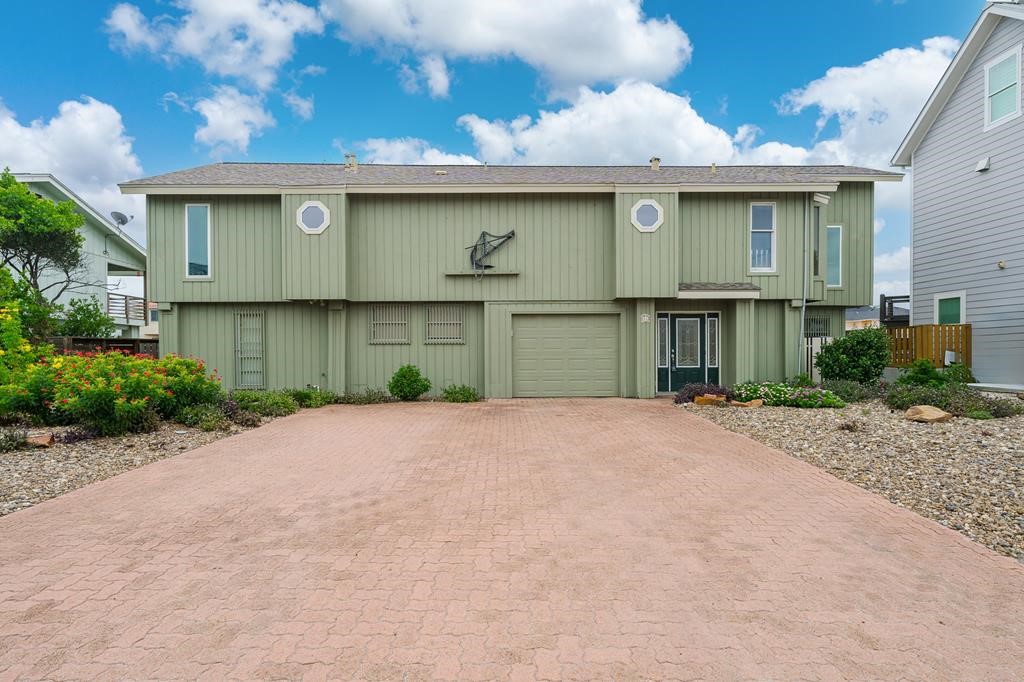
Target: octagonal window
x,y
313,217
647,215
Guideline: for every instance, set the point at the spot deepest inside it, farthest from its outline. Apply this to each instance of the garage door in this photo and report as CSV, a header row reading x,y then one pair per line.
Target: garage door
x,y
565,355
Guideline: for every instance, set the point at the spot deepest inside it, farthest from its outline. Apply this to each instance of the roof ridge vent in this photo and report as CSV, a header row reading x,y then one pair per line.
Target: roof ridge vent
x,y
440,171
351,163
655,163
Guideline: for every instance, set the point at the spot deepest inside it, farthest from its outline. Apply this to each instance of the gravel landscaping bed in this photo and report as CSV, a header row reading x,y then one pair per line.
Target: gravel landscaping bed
x,y
966,474
32,475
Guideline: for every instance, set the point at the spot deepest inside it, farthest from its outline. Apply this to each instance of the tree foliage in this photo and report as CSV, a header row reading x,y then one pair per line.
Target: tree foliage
x,y
86,317
40,240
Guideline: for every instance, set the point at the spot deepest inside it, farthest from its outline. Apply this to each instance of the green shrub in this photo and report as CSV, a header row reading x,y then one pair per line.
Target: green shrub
x,y
979,414
958,373
813,397
1005,407
861,355
370,396
12,438
313,397
957,399
460,394
688,392
802,380
922,372
205,417
86,317
853,391
408,383
784,395
266,403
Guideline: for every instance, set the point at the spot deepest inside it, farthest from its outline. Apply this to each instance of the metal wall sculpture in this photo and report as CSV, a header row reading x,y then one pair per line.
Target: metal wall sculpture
x,y
485,245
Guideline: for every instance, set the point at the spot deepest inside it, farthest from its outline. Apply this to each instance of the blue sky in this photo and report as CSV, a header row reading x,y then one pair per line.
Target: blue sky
x,y
104,91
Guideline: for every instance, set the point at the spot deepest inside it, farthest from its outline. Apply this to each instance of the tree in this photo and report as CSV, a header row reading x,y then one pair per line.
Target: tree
x,y
84,317
37,315
40,241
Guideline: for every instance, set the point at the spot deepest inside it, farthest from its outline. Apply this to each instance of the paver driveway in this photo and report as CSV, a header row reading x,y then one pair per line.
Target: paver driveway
x,y
592,539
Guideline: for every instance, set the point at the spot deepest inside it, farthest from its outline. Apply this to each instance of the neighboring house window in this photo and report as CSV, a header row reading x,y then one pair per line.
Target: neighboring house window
x,y
249,355
1002,88
197,240
951,307
647,215
762,237
444,324
313,217
663,341
389,323
834,253
154,315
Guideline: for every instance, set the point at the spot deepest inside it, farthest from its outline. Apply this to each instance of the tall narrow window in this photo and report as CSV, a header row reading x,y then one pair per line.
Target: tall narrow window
x,y
444,324
816,226
687,342
762,237
834,253
389,323
249,364
712,340
663,342
1002,88
197,240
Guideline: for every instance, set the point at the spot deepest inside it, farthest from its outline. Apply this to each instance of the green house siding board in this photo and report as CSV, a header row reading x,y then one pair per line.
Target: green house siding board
x,y
409,247
245,249
314,265
646,263
371,365
498,353
853,207
715,243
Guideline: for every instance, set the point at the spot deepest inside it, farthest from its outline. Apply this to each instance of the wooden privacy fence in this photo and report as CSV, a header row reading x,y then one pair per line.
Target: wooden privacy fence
x,y
931,341
82,344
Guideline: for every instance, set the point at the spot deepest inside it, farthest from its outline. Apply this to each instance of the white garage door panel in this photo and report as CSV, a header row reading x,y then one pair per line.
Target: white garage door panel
x,y
565,355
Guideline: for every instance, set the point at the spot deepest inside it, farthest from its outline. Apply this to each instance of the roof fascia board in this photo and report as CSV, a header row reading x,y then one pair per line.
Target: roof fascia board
x,y
69,193
829,186
969,49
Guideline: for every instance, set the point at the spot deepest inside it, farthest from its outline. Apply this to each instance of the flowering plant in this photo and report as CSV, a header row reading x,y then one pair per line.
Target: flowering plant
x,y
785,395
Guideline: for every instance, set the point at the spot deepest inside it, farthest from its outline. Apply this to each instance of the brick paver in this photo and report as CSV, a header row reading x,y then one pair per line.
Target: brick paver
x,y
546,539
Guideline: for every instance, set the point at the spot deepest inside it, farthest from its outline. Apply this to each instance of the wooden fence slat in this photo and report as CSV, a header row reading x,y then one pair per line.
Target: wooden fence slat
x,y
930,341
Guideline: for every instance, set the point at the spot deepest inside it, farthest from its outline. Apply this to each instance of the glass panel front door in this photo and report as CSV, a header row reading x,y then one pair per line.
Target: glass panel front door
x,y
691,341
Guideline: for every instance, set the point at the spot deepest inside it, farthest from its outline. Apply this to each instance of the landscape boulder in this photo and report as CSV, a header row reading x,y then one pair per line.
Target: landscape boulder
x,y
757,402
708,399
926,414
44,441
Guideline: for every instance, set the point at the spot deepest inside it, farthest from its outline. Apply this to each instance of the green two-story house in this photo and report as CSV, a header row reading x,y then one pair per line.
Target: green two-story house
x,y
517,280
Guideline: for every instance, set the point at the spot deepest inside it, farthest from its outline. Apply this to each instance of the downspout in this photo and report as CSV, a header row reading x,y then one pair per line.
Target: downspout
x,y
803,300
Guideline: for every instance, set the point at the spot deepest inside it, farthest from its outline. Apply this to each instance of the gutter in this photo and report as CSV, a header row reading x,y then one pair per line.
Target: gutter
x,y
803,301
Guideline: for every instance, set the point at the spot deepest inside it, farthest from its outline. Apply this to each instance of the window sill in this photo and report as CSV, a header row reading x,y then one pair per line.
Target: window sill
x,y
198,279
478,273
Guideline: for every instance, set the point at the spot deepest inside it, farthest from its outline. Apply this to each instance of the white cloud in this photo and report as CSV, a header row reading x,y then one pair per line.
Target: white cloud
x,y
435,72
233,118
879,225
409,150
300,106
86,147
893,261
569,42
245,39
899,287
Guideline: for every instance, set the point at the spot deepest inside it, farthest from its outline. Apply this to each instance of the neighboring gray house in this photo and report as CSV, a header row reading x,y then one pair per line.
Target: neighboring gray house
x,y
967,152
109,251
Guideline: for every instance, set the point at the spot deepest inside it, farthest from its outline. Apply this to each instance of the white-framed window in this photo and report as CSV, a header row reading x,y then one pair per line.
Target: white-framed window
x,y
712,342
389,323
762,236
313,217
445,323
647,215
663,342
950,307
1002,88
834,256
197,241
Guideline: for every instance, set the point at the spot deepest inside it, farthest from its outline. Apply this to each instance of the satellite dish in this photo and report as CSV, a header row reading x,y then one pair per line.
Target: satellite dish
x,y
120,218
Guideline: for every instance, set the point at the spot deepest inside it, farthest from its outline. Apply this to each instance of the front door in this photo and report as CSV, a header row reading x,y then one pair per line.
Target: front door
x,y
687,349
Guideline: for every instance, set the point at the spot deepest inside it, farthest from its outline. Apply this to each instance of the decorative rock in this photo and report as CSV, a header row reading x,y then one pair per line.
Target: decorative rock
x,y
926,414
44,441
757,402
708,399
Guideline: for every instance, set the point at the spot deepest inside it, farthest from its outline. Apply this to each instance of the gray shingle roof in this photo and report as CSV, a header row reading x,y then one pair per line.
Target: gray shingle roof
x,y
718,286
324,174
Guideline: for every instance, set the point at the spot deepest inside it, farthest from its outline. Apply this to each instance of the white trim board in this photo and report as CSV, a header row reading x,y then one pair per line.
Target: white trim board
x,y
962,295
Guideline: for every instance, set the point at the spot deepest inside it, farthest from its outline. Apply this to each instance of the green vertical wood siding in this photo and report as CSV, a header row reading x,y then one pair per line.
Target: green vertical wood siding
x,y
401,247
853,207
371,365
295,351
314,265
715,245
646,263
245,237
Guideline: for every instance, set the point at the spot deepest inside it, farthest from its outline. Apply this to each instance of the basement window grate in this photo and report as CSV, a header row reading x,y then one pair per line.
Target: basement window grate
x,y
389,323
249,349
444,324
817,326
